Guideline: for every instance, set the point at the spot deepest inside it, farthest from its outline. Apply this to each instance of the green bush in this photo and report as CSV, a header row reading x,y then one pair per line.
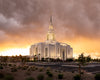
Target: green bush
x,y
60,76
40,77
77,77
47,72
1,75
50,74
8,77
97,76
30,78
1,67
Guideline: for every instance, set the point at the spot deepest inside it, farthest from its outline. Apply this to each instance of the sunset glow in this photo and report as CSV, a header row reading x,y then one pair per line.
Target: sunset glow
x,y
80,45
23,23
15,51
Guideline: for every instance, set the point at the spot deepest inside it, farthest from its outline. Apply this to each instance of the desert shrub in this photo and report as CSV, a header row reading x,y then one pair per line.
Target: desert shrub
x,y
48,68
41,69
36,68
47,72
1,75
60,76
77,77
13,69
97,76
8,77
31,69
9,64
1,67
49,78
40,77
30,78
50,74
24,67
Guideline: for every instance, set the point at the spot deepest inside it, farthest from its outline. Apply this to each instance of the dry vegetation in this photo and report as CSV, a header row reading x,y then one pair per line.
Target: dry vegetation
x,y
26,72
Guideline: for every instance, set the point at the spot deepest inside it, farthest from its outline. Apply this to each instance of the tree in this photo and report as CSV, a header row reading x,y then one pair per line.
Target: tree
x,y
88,58
82,62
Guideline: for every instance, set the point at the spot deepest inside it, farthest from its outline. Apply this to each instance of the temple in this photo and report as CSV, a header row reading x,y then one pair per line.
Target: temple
x,y
51,48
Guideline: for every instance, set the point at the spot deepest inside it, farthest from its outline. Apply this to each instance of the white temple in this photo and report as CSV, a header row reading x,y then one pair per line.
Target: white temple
x,y
51,48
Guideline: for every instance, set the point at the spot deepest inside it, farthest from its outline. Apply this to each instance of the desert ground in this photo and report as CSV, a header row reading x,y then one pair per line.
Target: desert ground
x,y
22,72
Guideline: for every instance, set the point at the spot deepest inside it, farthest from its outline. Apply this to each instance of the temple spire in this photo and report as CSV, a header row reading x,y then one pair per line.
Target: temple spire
x,y
51,35
51,24
51,20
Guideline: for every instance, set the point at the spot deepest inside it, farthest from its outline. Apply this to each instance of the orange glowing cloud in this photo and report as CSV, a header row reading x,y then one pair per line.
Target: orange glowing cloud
x,y
23,23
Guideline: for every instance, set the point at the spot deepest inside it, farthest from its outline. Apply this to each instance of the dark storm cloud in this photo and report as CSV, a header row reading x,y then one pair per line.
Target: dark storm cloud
x,y
29,18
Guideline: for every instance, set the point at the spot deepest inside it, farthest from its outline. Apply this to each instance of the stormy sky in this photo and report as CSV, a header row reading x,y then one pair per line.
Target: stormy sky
x,y
24,22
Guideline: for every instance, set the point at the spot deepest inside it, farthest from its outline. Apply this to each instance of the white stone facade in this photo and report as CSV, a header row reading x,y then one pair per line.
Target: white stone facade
x,y
51,48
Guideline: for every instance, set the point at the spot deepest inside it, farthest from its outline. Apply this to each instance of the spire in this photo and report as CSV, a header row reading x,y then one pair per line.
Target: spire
x,y
51,35
51,20
51,24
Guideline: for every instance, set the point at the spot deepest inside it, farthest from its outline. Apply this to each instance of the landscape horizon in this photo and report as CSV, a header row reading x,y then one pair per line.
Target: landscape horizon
x,y
49,39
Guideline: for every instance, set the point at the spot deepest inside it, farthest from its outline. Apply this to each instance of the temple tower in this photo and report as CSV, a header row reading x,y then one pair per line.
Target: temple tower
x,y
51,34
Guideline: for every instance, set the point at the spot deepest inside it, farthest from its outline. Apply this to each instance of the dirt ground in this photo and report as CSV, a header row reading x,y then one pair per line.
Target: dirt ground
x,y
34,71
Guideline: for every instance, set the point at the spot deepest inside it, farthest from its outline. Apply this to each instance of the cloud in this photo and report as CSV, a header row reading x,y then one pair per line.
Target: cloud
x,y
29,18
